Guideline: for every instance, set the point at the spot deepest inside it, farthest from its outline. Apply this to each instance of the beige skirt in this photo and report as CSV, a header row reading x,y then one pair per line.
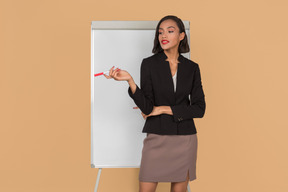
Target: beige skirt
x,y
168,158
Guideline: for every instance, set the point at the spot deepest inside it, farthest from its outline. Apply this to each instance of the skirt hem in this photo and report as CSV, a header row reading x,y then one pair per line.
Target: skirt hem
x,y
165,180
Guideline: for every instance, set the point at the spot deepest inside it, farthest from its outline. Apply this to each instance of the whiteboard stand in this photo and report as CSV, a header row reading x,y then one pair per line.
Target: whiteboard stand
x,y
188,187
98,178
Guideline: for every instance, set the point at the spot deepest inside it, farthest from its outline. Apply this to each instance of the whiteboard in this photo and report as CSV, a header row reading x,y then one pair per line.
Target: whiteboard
x,y
116,128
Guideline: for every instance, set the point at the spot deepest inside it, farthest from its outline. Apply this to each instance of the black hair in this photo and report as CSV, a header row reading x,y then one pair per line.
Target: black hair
x,y
183,45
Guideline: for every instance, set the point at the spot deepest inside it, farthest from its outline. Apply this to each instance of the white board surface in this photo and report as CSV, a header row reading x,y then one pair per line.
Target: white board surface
x,y
116,128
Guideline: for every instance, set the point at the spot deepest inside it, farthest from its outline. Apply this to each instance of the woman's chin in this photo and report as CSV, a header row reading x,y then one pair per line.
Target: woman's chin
x,y
165,48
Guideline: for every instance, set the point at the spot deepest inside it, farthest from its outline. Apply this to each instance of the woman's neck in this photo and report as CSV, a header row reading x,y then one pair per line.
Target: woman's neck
x,y
172,55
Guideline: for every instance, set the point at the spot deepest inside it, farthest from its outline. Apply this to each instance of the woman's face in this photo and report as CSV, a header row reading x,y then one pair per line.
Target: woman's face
x,y
169,36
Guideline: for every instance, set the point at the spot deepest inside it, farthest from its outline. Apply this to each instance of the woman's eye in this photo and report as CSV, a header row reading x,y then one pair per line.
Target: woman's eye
x,y
168,31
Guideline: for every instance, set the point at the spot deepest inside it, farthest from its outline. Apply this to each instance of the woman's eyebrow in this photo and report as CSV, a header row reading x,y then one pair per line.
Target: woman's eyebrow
x,y
168,27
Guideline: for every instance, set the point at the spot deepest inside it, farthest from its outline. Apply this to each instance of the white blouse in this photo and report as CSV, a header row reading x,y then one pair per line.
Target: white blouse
x,y
174,81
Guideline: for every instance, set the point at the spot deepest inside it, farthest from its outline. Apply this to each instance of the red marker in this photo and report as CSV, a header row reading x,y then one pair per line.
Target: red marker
x,y
106,73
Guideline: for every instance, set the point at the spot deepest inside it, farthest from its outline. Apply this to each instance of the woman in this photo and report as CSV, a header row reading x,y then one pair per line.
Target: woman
x,y
167,79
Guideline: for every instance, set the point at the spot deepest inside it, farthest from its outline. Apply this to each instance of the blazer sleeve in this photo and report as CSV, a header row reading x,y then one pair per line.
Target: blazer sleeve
x,y
197,106
144,97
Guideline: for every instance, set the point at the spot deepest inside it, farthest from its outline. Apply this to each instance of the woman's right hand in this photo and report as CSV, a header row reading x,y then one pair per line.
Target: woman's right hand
x,y
118,75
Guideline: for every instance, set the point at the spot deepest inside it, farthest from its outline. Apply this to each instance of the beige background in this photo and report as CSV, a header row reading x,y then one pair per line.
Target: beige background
x,y
241,47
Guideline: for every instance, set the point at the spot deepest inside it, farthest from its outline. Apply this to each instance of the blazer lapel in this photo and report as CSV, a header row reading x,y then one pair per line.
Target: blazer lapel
x,y
168,75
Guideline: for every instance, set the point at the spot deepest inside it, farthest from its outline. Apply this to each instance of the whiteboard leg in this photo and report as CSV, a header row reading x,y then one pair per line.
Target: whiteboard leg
x,y
98,178
188,187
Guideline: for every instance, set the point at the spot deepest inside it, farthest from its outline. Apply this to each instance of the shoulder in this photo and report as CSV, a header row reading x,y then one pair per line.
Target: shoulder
x,y
189,63
151,61
152,58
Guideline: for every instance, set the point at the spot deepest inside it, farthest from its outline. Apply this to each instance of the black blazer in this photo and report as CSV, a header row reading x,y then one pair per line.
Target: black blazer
x,y
157,88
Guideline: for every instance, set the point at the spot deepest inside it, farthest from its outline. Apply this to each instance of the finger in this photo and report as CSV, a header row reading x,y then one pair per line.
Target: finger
x,y
107,76
116,72
111,70
115,75
135,107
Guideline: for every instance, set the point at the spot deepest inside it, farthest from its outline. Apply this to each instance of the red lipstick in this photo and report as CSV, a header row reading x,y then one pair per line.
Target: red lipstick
x,y
164,41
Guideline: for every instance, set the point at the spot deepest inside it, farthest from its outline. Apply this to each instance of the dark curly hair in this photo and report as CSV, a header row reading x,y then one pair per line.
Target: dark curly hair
x,y
183,46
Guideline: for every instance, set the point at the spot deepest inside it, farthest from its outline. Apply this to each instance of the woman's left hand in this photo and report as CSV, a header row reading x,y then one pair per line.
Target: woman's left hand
x,y
156,111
